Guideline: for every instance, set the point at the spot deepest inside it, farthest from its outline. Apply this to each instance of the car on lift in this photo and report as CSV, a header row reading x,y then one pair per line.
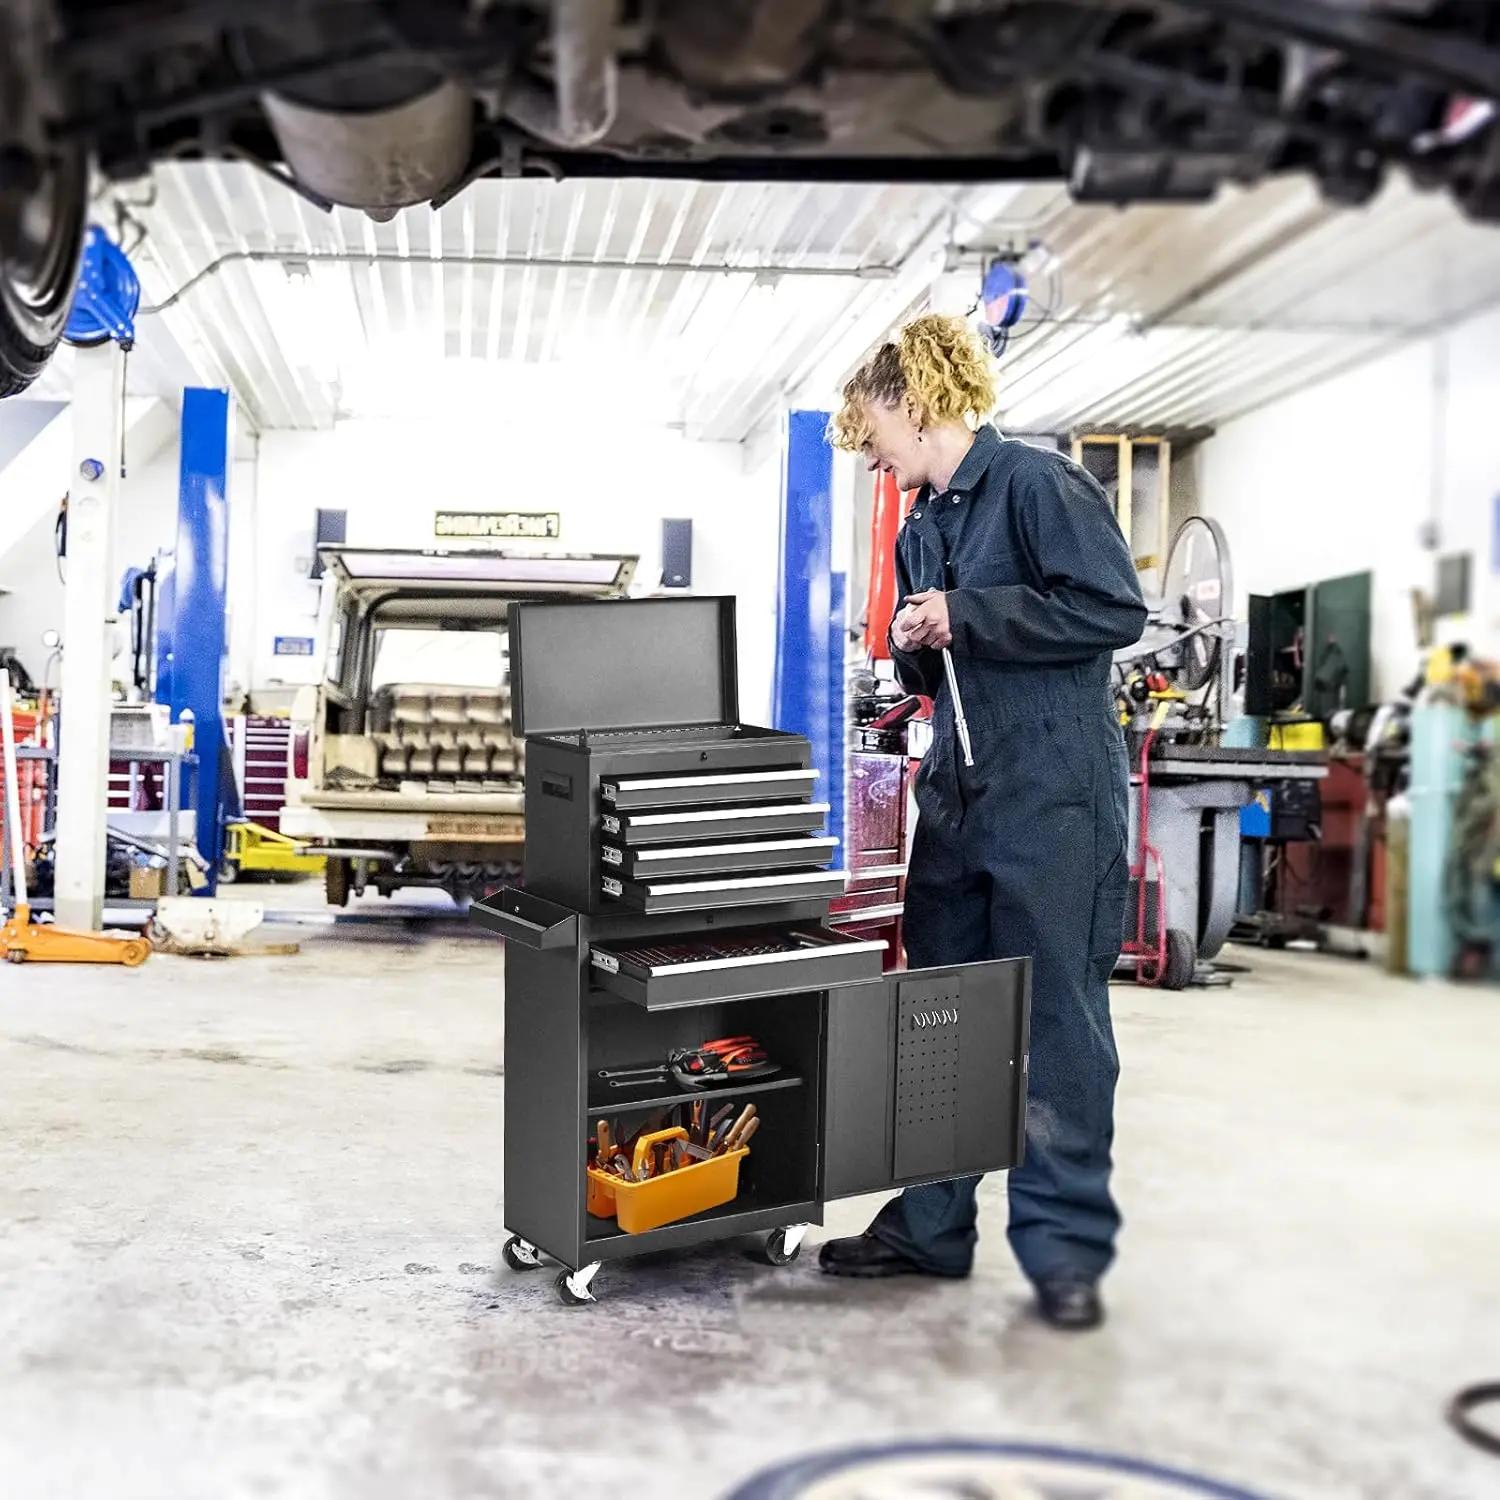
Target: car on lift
x,y
380,104
413,774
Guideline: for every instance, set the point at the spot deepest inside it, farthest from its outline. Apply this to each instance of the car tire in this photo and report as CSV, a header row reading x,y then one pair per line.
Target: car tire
x,y
39,270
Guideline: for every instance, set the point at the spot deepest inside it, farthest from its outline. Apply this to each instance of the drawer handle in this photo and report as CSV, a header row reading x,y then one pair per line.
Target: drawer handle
x,y
613,887
611,855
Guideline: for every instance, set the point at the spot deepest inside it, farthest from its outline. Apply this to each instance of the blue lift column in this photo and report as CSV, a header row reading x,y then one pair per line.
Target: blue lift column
x,y
191,628
809,695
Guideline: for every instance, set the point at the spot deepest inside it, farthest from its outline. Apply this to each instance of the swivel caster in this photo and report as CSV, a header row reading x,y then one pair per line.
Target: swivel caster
x,y
573,1286
783,1246
519,1255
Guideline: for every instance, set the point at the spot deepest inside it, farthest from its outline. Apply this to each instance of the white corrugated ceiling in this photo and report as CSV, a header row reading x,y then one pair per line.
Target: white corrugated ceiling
x,y
667,327
1187,317
703,305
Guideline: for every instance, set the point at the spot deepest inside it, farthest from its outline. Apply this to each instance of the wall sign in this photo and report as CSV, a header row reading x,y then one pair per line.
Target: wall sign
x,y
293,645
508,525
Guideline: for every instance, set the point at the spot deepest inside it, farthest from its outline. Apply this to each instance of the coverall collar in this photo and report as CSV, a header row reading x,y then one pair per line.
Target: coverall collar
x,y
969,474
967,477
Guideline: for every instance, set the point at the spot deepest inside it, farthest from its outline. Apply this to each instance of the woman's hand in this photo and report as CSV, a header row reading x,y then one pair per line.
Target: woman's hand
x,y
923,621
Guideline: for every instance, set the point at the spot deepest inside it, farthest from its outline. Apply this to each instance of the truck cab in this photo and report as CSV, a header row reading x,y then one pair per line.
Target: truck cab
x,y
413,776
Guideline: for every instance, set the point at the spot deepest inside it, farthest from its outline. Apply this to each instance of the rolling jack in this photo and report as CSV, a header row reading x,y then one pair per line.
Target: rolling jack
x,y
21,939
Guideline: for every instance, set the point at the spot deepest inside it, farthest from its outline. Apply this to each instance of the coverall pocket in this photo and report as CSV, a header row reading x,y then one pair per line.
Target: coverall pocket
x,y
1107,933
1068,746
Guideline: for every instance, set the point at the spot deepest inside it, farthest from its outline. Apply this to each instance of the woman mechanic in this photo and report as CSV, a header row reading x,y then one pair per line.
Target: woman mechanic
x,y
1011,557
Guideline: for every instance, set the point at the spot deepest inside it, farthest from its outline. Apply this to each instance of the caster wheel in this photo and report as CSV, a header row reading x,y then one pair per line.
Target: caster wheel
x,y
781,1249
520,1256
568,1294
1182,960
15,956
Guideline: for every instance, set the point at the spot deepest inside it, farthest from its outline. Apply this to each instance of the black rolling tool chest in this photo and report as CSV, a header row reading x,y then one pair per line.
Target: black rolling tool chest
x,y
676,894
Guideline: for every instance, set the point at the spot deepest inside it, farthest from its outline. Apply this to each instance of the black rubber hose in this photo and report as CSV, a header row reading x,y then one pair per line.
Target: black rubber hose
x,y
1461,1411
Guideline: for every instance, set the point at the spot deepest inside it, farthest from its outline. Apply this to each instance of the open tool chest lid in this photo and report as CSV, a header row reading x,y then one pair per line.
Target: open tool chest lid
x,y
627,664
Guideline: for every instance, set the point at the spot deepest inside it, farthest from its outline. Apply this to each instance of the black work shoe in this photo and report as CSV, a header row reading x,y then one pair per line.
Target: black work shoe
x,y
864,1255
1073,1306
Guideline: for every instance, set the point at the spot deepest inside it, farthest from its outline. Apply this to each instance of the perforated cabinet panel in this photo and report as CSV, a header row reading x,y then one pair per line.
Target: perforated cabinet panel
x,y
926,1076
929,1022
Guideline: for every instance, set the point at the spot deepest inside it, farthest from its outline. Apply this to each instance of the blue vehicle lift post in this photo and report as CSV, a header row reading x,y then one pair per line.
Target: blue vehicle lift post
x,y
808,696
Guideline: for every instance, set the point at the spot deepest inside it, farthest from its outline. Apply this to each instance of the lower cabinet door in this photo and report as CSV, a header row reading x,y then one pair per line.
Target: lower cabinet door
x,y
925,1076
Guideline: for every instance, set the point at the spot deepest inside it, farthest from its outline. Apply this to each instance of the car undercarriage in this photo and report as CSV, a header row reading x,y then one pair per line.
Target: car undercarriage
x,y
381,104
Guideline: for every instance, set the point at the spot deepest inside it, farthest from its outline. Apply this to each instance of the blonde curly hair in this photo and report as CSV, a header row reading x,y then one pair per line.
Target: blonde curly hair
x,y
936,361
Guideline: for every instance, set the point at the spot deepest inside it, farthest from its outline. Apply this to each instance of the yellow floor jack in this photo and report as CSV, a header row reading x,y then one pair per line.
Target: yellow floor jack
x,y
21,939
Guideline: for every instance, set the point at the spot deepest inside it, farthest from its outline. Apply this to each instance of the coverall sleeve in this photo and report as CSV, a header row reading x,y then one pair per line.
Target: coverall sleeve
x,y
1088,599
918,671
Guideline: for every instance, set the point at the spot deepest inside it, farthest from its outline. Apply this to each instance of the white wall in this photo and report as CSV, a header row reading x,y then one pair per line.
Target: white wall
x,y
147,520
1342,478
612,487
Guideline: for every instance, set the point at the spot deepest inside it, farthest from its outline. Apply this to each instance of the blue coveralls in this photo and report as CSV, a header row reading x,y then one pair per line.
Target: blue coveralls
x,y
1025,852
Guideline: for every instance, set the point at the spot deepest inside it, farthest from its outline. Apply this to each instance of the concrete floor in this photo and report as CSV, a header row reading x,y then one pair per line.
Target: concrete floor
x,y
250,1222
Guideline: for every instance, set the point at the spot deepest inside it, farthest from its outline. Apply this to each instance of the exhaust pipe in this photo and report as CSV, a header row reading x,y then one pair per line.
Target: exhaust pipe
x,y
584,100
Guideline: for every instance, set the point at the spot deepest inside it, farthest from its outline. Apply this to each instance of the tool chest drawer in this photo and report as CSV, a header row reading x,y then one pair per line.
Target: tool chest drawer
x,y
626,792
800,852
668,973
656,896
642,830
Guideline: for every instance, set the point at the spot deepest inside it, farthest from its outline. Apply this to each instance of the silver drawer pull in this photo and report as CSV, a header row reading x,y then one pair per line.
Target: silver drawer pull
x,y
754,882
728,814
612,789
678,851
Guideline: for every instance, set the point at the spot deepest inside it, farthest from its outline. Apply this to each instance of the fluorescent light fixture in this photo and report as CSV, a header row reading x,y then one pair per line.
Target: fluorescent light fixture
x,y
313,315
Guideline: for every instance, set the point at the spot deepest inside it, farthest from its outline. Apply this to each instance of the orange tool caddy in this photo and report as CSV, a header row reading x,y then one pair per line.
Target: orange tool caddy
x,y
640,1206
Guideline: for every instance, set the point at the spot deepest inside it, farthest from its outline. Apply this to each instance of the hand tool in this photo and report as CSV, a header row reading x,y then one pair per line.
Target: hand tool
x,y
736,1137
718,1137
742,1140
746,1115
603,1151
960,723
720,1118
699,1116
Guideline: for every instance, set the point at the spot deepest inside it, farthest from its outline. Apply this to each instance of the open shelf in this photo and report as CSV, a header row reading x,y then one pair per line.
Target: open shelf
x,y
747,1214
654,1095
